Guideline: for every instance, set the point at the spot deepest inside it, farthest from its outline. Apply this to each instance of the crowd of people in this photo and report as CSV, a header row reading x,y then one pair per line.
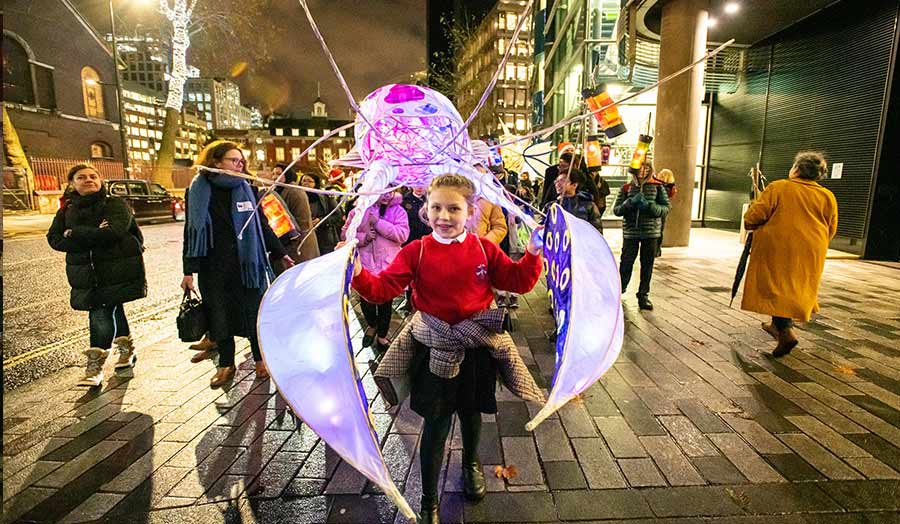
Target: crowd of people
x,y
414,242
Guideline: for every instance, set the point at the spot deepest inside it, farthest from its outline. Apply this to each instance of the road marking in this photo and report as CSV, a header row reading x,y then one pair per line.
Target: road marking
x,y
37,352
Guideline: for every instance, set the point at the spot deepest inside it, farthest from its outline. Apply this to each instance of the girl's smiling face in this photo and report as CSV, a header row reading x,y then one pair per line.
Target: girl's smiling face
x,y
448,212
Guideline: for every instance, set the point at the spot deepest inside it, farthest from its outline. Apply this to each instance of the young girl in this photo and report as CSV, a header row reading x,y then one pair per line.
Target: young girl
x,y
452,273
384,228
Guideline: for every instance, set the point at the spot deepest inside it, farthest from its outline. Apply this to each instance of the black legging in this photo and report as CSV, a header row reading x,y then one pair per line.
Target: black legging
x,y
377,316
434,437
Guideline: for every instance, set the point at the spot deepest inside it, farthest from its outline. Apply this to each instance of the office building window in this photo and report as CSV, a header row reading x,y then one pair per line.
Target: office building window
x,y
295,152
312,155
279,154
520,122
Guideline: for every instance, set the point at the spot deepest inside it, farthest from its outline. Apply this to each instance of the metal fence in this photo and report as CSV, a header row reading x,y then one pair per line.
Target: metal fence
x,y
50,173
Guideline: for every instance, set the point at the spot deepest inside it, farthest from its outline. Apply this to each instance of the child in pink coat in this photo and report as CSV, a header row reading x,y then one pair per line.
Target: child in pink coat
x,y
384,229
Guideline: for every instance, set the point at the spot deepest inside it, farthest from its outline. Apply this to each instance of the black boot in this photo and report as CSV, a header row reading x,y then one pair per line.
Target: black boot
x,y
474,485
430,512
431,455
644,303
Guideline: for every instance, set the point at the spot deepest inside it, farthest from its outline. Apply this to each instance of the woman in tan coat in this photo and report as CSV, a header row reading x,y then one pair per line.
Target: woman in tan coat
x,y
792,222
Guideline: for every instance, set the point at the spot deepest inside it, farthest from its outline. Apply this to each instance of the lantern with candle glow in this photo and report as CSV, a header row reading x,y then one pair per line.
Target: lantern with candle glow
x,y
279,218
593,153
610,120
640,154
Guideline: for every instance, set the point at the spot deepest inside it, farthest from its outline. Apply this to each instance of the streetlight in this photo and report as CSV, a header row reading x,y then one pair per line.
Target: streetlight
x,y
115,45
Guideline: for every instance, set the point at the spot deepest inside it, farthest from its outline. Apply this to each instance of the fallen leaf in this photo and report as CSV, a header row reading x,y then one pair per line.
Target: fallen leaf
x,y
508,472
845,370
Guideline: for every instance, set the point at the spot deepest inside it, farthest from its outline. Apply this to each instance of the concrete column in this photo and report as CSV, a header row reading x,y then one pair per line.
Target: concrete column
x,y
678,102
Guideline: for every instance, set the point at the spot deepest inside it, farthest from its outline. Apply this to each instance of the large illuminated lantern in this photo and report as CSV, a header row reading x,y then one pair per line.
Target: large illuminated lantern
x,y
407,135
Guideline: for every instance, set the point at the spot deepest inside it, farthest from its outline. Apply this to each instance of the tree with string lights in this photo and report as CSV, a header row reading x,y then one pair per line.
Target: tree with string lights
x,y
214,24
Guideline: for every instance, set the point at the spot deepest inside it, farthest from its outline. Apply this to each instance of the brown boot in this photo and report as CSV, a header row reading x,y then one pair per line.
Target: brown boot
x,y
262,372
769,328
786,342
205,344
200,356
222,376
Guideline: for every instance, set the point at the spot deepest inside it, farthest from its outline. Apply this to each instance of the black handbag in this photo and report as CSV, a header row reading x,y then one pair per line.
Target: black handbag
x,y
192,322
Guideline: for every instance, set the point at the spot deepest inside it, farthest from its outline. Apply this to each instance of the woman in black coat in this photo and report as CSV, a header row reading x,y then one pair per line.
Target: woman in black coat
x,y
104,265
233,271
327,234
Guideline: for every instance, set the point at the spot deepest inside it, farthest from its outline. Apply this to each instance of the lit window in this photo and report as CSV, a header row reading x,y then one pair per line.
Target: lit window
x,y
93,93
279,154
295,132
192,97
511,21
310,132
260,155
207,97
279,131
295,152
325,132
520,123
342,151
521,73
312,155
501,23
145,155
343,132
327,154
501,46
510,71
101,150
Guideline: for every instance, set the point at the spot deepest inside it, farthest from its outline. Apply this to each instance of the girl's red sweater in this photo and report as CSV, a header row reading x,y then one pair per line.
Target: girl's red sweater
x,y
455,280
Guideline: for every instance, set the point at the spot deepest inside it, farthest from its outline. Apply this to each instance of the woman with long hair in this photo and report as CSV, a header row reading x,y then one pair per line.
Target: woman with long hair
x,y
229,259
104,265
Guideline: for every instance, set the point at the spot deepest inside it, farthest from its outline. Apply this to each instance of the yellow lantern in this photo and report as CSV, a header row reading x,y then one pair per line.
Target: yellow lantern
x,y
593,153
280,219
640,154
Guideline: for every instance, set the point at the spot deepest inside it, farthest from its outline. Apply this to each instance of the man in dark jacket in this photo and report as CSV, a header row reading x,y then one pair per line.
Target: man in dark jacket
x,y
642,203
575,200
412,203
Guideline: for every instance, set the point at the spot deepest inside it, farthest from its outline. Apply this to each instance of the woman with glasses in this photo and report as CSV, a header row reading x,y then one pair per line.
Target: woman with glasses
x,y
232,268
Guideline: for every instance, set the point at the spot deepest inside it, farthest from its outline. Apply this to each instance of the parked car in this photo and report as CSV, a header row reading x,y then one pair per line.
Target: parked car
x,y
150,201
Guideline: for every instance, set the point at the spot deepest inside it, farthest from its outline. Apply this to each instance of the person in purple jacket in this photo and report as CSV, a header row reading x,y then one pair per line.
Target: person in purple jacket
x,y
384,229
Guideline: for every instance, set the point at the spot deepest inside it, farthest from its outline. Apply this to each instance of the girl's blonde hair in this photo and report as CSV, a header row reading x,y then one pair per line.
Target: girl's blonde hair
x,y
463,185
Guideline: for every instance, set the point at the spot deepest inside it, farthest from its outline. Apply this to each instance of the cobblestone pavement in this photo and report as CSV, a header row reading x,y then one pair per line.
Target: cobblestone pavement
x,y
695,423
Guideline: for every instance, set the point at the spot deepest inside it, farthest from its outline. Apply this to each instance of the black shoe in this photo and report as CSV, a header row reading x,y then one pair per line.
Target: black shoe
x,y
381,349
368,339
430,512
474,486
644,303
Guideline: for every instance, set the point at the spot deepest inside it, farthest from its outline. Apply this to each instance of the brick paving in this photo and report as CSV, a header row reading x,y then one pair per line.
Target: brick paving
x,y
694,423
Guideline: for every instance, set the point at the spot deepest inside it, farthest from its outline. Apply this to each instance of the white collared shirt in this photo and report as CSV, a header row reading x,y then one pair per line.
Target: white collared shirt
x,y
461,238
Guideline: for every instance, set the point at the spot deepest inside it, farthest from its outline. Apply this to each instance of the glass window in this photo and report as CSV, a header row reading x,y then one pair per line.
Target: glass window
x,y
312,155
327,154
158,190
92,92
501,46
325,132
501,23
295,152
207,97
510,71
521,73
101,150
192,97
118,189
279,131
295,132
342,151
509,96
310,132
520,123
520,98
511,21
17,84
279,154
260,155
343,132
137,188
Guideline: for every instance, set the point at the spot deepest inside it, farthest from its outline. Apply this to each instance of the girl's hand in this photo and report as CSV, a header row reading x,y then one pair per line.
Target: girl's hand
x,y
188,283
536,242
287,261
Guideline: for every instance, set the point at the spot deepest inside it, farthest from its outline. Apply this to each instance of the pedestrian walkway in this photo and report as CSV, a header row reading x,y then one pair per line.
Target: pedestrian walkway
x,y
25,224
695,423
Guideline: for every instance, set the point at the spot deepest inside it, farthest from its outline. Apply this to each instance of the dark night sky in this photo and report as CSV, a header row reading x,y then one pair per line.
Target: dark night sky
x,y
374,42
